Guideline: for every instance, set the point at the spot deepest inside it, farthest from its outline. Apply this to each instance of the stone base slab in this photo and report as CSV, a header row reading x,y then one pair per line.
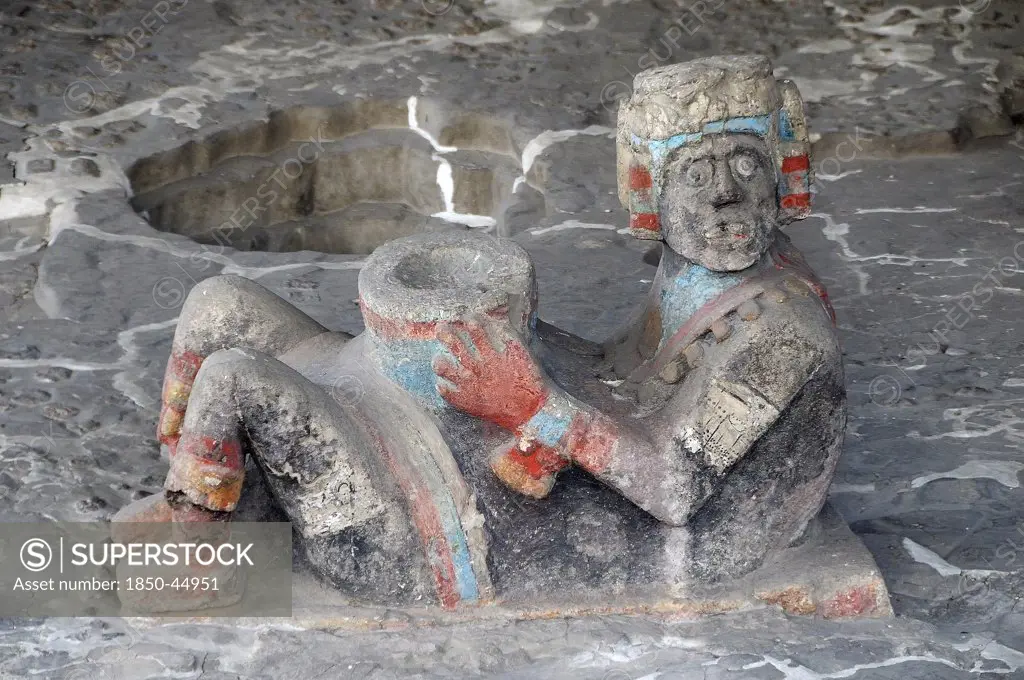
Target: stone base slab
x,y
830,574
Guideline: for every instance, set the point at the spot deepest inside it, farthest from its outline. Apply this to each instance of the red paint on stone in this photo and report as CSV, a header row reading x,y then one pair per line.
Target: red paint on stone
x,y
226,453
504,388
435,543
795,163
392,329
591,441
856,601
796,201
538,461
184,365
646,221
424,514
639,177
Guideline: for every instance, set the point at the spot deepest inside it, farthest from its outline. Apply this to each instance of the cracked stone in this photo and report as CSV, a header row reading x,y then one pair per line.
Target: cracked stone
x,y
84,166
39,165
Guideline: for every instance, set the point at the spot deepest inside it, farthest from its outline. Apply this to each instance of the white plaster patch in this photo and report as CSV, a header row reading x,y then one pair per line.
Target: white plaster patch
x,y
125,365
20,250
835,178
414,125
1003,471
999,652
691,441
826,46
794,671
183,105
39,192
1004,415
536,146
836,232
921,554
572,224
903,211
444,178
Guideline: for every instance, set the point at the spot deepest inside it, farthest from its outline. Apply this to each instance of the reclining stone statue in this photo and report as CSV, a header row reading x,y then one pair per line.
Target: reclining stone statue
x,y
476,452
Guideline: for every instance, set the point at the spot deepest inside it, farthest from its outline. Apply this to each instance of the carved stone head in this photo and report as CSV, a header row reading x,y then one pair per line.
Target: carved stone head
x,y
712,157
718,201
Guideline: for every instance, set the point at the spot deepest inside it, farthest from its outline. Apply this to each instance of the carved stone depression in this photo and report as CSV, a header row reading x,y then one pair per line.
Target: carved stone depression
x,y
341,179
461,451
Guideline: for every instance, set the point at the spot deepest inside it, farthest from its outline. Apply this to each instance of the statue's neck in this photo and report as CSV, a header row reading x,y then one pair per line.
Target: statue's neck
x,y
682,287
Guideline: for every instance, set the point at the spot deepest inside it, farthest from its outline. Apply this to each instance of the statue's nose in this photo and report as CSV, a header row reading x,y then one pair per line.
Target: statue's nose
x,y
725,191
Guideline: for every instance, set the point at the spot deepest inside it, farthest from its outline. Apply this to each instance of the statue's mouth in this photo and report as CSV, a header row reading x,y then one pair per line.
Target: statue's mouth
x,y
732,235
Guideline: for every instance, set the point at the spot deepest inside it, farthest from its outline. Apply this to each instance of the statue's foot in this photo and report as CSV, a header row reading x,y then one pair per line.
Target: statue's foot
x,y
208,470
141,522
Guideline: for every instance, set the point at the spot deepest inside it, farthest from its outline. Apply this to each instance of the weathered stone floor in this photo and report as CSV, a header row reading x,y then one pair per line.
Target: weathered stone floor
x,y
922,253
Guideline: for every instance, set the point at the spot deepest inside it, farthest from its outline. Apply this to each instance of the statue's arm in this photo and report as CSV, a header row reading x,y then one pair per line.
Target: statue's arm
x,y
673,461
639,462
491,375
668,464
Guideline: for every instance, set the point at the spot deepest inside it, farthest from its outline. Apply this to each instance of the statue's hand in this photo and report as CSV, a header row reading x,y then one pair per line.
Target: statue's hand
x,y
494,377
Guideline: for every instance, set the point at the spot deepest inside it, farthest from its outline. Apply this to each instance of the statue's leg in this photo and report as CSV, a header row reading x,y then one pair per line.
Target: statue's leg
x,y
222,312
318,462
247,399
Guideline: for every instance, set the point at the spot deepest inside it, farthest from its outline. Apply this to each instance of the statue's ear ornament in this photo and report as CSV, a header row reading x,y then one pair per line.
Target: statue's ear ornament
x,y
643,209
795,154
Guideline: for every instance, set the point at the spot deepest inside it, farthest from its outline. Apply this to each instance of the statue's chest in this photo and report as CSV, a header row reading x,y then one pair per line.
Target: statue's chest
x,y
687,293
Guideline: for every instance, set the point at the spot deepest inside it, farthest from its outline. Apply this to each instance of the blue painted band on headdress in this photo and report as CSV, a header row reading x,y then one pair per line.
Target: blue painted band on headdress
x,y
758,125
661,148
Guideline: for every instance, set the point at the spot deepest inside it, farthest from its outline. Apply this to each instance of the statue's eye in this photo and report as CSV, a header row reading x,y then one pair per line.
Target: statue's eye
x,y
699,174
744,166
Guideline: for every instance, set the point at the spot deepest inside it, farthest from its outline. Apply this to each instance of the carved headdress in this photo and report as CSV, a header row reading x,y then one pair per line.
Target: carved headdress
x,y
676,105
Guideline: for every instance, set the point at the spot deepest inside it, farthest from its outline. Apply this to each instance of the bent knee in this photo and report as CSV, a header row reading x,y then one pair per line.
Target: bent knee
x,y
249,372
234,361
224,289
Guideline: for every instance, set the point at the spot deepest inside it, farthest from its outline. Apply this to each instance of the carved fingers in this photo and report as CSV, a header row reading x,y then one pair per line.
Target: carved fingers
x,y
489,374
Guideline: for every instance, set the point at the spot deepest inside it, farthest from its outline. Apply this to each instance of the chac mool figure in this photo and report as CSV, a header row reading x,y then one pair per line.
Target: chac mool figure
x,y
480,453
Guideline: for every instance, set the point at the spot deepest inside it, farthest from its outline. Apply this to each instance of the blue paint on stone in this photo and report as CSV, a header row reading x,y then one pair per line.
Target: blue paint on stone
x,y
409,364
661,148
462,562
758,125
786,131
549,427
690,290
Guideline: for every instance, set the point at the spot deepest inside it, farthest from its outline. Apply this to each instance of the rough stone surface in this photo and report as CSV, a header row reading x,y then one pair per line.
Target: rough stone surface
x,y
929,475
